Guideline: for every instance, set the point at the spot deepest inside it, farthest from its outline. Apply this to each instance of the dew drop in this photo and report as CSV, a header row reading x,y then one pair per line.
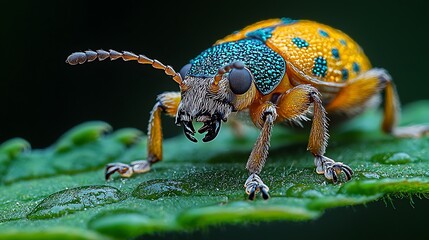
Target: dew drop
x,y
75,199
158,188
300,190
371,175
393,158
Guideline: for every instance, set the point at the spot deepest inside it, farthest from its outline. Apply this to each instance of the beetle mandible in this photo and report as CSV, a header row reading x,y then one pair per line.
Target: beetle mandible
x,y
276,70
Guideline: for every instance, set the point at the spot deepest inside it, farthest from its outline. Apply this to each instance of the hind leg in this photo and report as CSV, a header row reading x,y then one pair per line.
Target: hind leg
x,y
355,97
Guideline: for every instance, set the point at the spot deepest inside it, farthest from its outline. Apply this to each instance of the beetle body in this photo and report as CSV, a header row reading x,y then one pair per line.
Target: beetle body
x,y
294,53
277,70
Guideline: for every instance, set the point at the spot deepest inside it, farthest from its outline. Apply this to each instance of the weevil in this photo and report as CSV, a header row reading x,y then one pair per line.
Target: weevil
x,y
274,71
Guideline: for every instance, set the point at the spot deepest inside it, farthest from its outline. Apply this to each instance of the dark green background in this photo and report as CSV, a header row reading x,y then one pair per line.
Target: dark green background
x,y
41,96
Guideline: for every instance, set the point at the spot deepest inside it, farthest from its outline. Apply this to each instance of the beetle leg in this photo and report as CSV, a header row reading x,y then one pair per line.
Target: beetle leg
x,y
266,116
168,103
293,106
254,184
127,170
360,93
392,113
332,169
123,169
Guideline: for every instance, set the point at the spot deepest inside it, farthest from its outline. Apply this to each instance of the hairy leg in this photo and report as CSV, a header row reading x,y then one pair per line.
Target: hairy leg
x,y
167,103
263,116
294,105
357,95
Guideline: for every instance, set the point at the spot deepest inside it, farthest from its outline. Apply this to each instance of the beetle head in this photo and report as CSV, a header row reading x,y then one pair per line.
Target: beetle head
x,y
207,99
211,100
199,103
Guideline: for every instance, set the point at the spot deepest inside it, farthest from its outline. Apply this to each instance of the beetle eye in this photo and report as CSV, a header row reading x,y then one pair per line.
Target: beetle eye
x,y
239,80
185,70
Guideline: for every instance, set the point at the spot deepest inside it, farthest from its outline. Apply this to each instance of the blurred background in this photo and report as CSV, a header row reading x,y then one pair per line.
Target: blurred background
x,y
42,96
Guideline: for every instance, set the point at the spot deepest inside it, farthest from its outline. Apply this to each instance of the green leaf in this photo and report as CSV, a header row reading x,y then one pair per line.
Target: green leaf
x,y
60,191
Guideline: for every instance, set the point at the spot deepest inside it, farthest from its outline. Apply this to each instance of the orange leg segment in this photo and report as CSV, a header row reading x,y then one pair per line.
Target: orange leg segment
x,y
356,97
168,103
263,115
294,105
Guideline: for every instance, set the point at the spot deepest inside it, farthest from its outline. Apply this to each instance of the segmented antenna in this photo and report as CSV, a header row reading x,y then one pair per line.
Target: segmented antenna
x,y
89,56
225,69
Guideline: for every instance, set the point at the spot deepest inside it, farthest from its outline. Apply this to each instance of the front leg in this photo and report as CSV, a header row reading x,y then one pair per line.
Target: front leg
x,y
263,116
294,105
168,103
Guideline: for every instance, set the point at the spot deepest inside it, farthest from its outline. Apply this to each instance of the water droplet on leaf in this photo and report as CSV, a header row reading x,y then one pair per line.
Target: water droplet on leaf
x,y
75,199
157,188
371,175
300,190
393,158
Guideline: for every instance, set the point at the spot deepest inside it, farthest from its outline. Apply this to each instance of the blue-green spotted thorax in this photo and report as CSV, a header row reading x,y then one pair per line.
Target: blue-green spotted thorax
x,y
266,66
